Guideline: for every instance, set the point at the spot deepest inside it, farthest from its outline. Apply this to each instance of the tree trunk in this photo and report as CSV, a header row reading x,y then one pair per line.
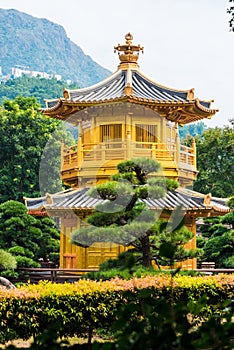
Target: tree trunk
x,y
131,204
146,254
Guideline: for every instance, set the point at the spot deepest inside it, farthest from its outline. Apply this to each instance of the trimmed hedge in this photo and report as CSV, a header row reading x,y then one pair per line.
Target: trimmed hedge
x,y
86,306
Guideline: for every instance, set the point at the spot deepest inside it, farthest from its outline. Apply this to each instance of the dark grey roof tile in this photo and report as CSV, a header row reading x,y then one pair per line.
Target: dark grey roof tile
x,y
79,199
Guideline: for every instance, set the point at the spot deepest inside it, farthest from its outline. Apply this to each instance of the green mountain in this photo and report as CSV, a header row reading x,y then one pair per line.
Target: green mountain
x,y
42,45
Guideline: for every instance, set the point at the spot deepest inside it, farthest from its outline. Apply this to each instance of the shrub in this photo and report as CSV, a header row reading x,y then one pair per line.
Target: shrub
x,y
7,261
87,306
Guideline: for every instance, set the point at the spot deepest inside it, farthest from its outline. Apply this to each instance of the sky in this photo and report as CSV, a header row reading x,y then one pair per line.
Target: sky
x,y
187,43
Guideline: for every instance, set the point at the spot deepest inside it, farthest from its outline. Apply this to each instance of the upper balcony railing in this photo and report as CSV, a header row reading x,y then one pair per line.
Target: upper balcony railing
x,y
182,156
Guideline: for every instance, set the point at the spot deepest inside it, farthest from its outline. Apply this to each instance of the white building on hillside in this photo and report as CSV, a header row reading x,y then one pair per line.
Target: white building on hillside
x,y
18,72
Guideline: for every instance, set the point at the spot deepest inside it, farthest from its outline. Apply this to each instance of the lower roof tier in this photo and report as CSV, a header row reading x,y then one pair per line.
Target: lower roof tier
x,y
79,201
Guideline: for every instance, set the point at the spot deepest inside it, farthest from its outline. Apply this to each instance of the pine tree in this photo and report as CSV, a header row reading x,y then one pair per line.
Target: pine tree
x,y
125,219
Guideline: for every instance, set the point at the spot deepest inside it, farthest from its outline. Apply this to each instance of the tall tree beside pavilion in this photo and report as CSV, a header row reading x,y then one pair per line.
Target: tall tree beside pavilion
x,y
215,160
24,134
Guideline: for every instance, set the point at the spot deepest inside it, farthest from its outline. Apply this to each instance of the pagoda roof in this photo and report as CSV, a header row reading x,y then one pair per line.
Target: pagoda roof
x,y
78,200
129,84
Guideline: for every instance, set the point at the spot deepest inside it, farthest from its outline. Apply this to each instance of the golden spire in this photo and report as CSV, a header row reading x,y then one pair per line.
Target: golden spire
x,y
128,53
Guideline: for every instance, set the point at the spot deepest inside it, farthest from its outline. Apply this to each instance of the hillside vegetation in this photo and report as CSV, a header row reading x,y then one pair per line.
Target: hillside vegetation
x,y
42,45
40,88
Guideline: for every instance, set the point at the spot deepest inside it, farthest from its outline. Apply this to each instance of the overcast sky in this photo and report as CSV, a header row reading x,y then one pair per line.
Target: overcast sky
x,y
187,42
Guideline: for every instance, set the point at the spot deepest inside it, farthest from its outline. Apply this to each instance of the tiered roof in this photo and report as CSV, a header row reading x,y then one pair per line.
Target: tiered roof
x,y
78,200
129,84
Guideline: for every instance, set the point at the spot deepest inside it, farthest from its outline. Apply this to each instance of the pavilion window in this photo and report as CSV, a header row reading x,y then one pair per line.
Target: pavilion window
x,y
111,134
146,133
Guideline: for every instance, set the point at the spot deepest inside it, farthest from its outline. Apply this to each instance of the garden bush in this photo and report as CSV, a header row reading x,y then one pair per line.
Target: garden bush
x,y
88,306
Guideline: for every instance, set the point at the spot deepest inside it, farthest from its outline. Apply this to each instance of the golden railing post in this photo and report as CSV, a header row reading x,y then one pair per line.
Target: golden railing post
x,y
79,152
154,151
103,151
194,147
163,137
62,154
128,144
177,157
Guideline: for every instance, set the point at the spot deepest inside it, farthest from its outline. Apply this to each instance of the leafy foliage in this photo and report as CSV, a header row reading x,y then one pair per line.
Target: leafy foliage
x,y
215,160
231,202
37,87
126,267
220,248
193,129
24,134
146,323
7,260
27,238
217,240
125,219
137,312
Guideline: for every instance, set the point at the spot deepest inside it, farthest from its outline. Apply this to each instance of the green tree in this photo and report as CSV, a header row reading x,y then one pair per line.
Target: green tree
x,y
220,249
24,134
170,241
27,238
192,129
215,161
217,240
7,260
124,219
231,202
7,266
40,88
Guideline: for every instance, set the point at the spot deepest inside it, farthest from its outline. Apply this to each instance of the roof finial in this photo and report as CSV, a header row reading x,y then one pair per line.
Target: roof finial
x,y
128,53
129,38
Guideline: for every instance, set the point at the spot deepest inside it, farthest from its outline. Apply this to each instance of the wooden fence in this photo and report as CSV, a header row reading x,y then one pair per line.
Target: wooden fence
x,y
56,275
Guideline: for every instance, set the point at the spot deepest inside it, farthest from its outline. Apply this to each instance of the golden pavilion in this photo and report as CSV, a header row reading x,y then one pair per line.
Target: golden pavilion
x,y
125,116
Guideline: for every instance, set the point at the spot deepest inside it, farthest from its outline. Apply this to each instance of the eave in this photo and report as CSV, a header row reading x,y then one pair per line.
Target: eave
x,y
77,201
180,112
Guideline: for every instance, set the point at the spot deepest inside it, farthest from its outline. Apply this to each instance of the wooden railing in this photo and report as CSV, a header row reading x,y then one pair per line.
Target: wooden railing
x,y
187,156
56,275
184,156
